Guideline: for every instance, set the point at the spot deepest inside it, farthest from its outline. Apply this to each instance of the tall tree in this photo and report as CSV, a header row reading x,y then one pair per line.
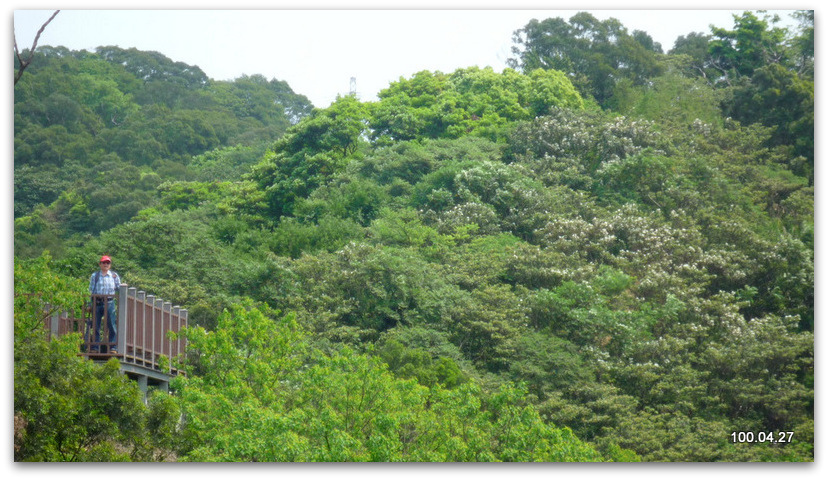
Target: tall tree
x,y
750,45
310,152
594,53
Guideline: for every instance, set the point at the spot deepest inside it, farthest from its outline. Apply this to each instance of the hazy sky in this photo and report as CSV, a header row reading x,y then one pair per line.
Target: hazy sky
x,y
318,51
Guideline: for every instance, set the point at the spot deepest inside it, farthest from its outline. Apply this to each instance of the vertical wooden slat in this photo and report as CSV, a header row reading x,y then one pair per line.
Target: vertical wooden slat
x,y
121,321
151,330
167,326
182,342
158,329
176,322
132,321
140,321
171,328
148,316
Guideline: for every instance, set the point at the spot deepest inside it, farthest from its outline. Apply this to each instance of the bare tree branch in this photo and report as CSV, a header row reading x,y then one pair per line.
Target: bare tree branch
x,y
25,62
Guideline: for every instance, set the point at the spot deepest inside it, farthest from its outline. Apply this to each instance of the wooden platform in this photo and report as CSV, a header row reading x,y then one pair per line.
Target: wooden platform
x,y
147,336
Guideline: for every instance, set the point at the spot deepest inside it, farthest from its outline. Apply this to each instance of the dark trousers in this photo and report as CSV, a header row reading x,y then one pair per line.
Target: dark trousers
x,y
107,307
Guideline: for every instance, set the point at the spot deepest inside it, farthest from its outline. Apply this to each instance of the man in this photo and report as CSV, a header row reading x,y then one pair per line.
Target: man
x,y
104,282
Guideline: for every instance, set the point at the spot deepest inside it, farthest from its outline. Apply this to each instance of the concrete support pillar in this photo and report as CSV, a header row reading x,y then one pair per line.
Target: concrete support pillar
x,y
164,386
142,384
54,326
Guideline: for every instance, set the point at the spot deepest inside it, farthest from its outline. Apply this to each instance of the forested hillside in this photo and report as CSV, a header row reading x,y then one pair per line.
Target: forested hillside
x,y
602,253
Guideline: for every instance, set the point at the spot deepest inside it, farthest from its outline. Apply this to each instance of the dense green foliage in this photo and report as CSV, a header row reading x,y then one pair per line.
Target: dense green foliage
x,y
603,254
66,408
594,53
260,395
96,134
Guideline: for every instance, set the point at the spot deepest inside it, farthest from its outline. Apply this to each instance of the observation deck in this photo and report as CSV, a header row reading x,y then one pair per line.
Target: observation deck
x,y
145,331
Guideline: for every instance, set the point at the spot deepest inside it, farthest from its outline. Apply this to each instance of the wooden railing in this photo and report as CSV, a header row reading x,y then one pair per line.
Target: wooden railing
x,y
143,325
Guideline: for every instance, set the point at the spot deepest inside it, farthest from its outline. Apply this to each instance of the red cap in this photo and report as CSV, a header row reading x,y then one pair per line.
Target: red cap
x,y
105,258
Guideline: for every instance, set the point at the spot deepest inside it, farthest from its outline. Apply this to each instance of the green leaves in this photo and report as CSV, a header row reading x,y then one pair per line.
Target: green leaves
x,y
40,293
246,353
69,408
310,154
595,53
468,102
257,394
118,123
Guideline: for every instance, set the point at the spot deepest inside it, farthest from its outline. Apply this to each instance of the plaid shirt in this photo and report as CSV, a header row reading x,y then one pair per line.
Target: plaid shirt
x,y
107,284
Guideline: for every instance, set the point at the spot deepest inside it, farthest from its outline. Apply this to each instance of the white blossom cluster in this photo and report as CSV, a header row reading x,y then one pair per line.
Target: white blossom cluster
x,y
566,139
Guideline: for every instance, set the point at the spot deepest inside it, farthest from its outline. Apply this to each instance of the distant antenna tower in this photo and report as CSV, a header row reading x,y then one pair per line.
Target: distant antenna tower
x,y
353,86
